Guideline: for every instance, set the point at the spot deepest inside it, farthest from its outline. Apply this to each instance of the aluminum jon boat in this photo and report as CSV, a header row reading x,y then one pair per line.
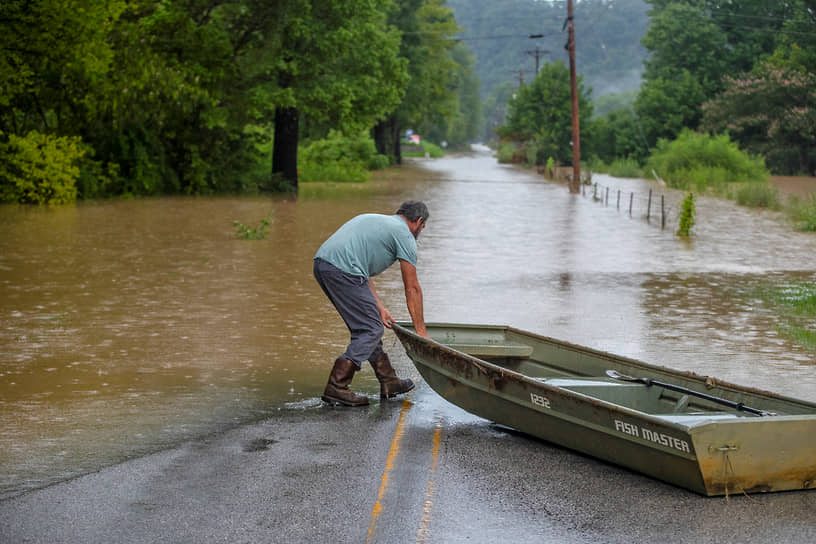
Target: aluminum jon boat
x,y
708,436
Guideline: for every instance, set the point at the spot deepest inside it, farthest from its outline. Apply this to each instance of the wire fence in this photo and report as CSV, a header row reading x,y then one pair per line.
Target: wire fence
x,y
654,208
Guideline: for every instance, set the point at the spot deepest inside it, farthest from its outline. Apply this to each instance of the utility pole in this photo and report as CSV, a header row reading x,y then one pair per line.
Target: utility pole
x,y
537,53
520,76
575,183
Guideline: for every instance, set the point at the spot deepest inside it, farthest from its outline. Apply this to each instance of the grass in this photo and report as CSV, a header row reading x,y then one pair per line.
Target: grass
x,y
796,305
432,150
803,213
625,168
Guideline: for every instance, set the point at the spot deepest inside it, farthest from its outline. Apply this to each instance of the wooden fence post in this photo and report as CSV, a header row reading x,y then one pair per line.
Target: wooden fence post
x,y
662,212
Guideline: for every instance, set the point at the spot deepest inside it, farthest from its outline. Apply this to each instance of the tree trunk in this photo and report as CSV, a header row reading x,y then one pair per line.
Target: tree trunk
x,y
395,140
284,152
380,134
804,160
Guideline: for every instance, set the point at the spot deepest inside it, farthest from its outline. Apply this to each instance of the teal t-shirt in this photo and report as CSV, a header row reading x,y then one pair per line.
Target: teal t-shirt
x,y
368,244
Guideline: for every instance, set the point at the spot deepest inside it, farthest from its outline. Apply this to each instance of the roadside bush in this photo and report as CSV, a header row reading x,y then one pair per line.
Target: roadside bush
x,y
759,195
433,150
424,149
686,216
505,153
531,154
339,171
803,213
703,162
340,158
39,168
597,165
625,168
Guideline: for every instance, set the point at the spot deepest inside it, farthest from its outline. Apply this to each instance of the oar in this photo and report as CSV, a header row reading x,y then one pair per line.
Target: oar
x,y
725,402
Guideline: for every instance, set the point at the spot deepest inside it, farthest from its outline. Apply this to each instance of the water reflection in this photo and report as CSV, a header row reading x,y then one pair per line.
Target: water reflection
x,y
128,326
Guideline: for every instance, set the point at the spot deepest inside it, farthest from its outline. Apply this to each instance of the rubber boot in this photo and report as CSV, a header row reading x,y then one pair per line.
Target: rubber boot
x,y
390,384
337,390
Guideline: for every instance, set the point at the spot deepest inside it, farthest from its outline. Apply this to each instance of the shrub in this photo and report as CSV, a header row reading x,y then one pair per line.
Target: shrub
x,y
505,153
701,161
803,213
39,168
340,171
625,168
531,154
687,213
758,195
340,158
433,150
596,164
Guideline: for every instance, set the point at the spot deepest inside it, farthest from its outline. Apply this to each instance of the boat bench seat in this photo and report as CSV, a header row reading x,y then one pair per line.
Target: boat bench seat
x,y
697,418
519,351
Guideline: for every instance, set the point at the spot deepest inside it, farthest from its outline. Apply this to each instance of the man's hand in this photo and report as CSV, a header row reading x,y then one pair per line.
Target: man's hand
x,y
386,317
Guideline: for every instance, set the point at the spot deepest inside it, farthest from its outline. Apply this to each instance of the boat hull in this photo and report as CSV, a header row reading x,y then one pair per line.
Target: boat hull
x,y
569,403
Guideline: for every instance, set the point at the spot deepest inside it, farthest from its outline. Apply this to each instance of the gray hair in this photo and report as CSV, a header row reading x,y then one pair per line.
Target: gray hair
x,y
413,210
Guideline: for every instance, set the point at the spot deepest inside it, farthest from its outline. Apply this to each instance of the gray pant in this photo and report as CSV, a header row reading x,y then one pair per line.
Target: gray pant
x,y
354,301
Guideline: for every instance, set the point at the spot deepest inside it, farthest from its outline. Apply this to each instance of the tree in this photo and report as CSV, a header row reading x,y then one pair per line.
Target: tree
x,y
460,126
681,39
541,113
338,62
616,135
430,98
771,112
665,106
48,50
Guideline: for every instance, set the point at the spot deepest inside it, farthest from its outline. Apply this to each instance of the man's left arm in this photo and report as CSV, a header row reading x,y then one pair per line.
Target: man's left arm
x,y
413,297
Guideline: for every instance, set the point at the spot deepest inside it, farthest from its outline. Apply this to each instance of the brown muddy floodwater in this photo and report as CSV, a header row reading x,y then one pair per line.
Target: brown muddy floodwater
x,y
130,326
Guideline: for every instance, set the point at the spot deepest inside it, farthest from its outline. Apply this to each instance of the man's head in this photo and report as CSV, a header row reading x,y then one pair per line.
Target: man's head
x,y
416,214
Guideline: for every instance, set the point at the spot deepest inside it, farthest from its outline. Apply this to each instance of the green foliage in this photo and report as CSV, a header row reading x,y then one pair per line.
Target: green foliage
x,y
705,162
617,135
506,152
770,111
608,103
668,105
39,169
428,149
540,114
244,232
163,91
625,168
682,38
796,305
686,216
803,213
340,158
338,146
758,195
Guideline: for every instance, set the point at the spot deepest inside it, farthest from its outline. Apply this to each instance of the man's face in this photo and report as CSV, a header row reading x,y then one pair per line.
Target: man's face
x,y
417,226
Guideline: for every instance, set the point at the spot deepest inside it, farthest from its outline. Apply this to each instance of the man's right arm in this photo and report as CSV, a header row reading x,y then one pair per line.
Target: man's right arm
x,y
413,297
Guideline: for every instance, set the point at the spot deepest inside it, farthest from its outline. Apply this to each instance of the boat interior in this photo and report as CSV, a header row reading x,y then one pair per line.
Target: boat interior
x,y
589,379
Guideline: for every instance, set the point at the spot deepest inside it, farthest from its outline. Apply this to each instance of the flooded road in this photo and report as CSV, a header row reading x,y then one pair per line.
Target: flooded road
x,y
130,326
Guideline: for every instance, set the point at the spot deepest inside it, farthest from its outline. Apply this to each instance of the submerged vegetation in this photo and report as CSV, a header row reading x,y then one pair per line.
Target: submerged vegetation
x,y
687,213
243,232
705,163
796,306
803,213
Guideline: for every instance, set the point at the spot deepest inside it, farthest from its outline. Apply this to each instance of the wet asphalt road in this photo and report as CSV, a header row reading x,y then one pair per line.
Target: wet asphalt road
x,y
407,470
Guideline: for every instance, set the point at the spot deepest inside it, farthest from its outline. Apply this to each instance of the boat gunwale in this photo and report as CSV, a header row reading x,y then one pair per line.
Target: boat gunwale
x,y
403,327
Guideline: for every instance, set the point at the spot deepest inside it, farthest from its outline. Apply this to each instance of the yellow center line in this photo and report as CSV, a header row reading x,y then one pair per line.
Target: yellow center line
x,y
424,525
389,464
